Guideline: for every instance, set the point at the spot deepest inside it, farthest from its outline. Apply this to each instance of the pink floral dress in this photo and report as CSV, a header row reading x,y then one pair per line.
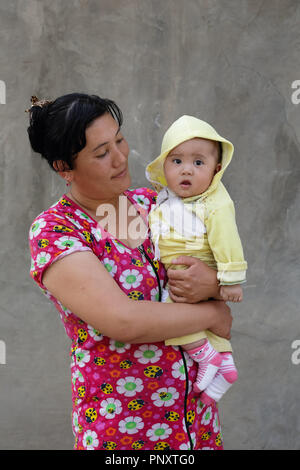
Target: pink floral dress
x,y
125,396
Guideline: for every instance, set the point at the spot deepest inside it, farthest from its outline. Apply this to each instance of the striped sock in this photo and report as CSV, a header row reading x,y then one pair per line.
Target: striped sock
x,y
209,361
224,378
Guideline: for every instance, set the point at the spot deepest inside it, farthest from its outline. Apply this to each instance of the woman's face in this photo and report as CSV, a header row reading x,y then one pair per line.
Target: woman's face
x,y
101,169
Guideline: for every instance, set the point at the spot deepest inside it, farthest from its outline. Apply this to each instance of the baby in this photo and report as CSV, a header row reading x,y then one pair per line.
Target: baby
x,y
194,216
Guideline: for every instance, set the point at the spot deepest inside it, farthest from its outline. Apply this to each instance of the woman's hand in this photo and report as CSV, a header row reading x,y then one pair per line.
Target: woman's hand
x,y
195,283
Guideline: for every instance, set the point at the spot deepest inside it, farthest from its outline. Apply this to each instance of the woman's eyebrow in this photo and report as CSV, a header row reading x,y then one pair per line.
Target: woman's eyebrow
x,y
105,143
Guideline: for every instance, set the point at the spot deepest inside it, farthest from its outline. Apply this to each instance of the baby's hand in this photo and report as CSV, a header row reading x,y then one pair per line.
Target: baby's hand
x,y
231,293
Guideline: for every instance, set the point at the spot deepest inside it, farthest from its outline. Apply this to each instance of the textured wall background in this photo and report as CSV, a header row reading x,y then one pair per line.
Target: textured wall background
x,y
231,63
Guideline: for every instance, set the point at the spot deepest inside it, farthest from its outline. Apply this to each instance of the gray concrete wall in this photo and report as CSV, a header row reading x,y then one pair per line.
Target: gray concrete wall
x,y
232,63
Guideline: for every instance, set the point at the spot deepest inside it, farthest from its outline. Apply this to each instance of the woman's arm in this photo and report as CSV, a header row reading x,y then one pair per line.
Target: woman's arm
x,y
196,283
83,285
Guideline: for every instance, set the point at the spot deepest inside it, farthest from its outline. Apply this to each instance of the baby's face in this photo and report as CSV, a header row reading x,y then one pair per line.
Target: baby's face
x,y
190,167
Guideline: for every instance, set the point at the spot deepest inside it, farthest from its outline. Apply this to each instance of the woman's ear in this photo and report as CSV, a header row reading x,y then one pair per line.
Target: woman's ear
x,y
60,167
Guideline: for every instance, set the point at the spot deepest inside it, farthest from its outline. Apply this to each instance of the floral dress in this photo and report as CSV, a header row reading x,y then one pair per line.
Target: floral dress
x,y
125,396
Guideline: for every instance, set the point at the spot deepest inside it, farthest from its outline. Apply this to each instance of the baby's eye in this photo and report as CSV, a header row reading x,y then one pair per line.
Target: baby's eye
x,y
198,162
176,160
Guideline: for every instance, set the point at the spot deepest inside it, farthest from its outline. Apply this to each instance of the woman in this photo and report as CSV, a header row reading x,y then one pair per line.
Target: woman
x,y
129,390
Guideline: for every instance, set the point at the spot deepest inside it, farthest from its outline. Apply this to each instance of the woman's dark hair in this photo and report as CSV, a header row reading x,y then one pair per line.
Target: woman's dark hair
x,y
57,128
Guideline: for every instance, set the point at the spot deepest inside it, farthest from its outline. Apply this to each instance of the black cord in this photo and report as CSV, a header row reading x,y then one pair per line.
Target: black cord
x,y
142,250
185,397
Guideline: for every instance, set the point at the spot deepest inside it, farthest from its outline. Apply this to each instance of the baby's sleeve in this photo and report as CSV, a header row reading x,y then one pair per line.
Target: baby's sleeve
x,y
225,243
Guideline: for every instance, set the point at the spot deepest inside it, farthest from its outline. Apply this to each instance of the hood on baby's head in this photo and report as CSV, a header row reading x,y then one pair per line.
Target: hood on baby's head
x,y
183,129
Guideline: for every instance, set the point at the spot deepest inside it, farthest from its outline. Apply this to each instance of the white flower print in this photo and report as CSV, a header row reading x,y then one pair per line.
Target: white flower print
x,y
118,346
141,200
110,266
72,360
151,270
74,222
200,406
42,259
207,415
36,228
131,425
67,242
121,248
148,353
178,370
46,293
129,386
90,440
164,294
75,422
110,408
82,215
187,446
65,310
216,423
131,278
77,375
154,294
165,396
159,431
178,367
82,357
97,233
95,334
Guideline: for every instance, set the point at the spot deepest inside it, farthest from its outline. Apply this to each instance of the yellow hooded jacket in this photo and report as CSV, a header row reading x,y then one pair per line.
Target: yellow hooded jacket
x,y
201,226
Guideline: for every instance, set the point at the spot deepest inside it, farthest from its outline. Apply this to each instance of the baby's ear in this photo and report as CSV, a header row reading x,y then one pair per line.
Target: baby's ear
x,y
218,168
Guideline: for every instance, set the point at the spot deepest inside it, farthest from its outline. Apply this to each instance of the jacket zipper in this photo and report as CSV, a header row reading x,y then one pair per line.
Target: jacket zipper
x,y
144,257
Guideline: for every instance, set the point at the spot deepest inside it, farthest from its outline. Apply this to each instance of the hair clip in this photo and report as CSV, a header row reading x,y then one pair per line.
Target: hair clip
x,y
36,102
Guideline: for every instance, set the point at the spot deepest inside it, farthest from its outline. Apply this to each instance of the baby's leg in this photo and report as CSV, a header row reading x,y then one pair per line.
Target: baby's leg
x,y
208,359
224,378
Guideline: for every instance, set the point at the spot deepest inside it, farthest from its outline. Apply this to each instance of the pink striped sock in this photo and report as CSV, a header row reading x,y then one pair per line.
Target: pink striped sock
x,y
224,378
209,361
